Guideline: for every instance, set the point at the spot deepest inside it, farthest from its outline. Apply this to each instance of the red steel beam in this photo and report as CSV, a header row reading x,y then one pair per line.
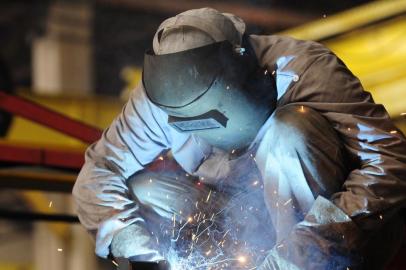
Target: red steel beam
x,y
47,117
41,156
63,158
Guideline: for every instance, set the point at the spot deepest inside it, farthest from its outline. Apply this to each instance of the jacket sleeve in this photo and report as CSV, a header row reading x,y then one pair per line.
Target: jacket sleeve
x,y
135,138
334,230
375,188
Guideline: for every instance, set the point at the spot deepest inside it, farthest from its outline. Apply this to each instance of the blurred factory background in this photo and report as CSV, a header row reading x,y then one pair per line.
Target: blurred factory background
x,y
81,58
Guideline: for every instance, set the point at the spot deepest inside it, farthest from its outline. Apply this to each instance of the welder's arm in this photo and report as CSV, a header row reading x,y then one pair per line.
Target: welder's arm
x,y
135,138
335,229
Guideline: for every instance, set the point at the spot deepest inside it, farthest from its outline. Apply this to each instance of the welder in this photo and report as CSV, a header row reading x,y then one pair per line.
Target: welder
x,y
331,162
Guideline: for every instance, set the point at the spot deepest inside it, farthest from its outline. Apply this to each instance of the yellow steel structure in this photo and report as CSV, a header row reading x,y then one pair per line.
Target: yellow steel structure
x,y
377,55
346,21
371,40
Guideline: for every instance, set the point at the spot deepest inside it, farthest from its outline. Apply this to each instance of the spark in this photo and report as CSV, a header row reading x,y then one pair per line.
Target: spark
x,y
288,201
226,233
60,249
208,196
161,158
221,261
212,217
198,241
242,259
180,230
302,109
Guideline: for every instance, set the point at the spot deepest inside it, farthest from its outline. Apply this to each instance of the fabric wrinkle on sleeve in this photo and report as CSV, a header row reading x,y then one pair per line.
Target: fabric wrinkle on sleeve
x,y
134,139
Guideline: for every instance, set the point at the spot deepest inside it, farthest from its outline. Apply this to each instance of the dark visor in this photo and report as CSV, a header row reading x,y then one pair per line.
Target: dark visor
x,y
177,79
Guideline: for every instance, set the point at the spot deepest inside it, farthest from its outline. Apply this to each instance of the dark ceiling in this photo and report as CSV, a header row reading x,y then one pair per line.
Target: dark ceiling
x,y
123,29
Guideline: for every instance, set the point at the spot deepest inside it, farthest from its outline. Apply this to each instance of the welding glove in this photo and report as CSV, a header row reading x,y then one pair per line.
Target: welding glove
x,y
135,243
224,169
215,168
324,240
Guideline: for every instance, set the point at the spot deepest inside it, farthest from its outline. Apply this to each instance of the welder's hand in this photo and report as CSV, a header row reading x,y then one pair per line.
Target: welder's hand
x,y
326,239
215,168
136,243
303,254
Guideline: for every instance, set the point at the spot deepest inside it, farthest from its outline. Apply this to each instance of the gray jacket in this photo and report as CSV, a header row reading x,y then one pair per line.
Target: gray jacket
x,y
307,74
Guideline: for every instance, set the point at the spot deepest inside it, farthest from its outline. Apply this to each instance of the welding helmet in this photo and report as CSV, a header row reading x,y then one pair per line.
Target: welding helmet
x,y
216,92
